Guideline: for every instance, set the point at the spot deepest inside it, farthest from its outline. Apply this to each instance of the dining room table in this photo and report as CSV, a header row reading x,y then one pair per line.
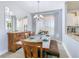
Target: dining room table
x,y
48,44
38,38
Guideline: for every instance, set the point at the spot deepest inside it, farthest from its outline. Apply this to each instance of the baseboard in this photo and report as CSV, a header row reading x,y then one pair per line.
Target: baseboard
x,y
3,52
66,50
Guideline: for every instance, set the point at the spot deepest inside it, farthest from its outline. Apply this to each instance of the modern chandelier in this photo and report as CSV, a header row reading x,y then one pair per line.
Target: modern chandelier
x,y
38,15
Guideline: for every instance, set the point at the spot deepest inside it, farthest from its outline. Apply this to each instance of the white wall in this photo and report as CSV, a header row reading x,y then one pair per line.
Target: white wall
x,y
3,33
3,38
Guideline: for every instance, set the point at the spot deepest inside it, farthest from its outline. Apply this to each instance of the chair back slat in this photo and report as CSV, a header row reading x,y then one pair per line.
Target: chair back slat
x,y
31,49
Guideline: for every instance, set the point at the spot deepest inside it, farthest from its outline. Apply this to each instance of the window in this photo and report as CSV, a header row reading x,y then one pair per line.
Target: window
x,y
8,21
22,24
46,24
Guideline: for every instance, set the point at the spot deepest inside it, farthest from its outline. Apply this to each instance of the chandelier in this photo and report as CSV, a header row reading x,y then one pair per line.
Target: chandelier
x,y
38,15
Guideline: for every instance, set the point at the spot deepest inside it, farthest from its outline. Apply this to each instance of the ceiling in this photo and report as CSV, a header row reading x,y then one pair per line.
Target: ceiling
x,y
31,6
22,8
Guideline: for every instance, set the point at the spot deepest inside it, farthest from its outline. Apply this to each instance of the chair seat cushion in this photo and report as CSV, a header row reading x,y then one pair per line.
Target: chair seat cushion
x,y
53,53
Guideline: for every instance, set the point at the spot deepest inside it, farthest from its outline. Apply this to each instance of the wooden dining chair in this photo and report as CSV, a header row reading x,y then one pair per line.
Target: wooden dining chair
x,y
31,33
26,35
53,51
31,49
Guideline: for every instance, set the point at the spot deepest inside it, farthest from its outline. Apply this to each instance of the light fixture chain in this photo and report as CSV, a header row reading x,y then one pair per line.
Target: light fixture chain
x,y
38,5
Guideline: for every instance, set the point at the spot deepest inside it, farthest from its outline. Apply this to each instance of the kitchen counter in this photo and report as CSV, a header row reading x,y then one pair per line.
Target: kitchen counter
x,y
74,36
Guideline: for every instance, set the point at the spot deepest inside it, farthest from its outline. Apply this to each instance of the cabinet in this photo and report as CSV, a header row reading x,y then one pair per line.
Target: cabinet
x,y
72,20
14,37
